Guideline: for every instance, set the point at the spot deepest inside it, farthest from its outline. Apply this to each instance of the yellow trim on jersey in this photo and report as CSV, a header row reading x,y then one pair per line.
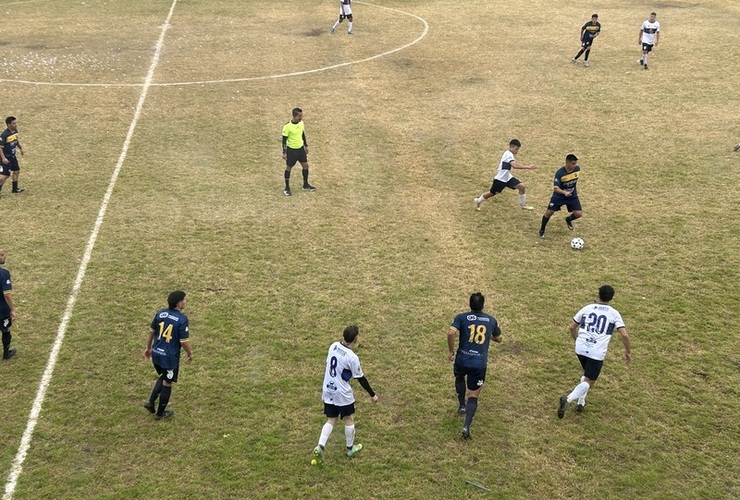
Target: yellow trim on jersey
x,y
12,137
570,177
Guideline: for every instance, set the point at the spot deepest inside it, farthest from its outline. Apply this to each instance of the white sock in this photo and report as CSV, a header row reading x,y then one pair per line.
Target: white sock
x,y
325,433
522,199
349,26
480,199
336,23
349,433
644,59
582,401
583,378
579,392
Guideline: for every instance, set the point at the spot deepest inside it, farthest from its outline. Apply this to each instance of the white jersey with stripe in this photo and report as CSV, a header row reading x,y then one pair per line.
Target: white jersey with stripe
x,y
648,31
596,323
342,365
504,167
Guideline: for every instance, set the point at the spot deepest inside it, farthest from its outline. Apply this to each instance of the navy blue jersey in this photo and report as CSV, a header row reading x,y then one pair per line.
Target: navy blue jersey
x,y
170,328
6,287
589,30
567,181
9,141
476,330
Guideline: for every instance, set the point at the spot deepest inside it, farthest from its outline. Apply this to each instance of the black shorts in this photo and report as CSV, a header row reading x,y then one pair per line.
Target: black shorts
x,y
572,204
646,47
499,186
587,42
11,166
591,367
334,411
166,374
295,155
5,324
475,377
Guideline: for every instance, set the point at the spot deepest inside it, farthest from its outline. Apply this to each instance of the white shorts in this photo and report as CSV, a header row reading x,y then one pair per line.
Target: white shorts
x,y
345,10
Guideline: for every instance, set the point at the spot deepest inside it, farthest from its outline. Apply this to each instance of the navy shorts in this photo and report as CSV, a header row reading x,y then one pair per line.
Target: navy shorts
x,y
572,204
5,324
168,375
591,367
5,168
499,186
475,377
646,47
295,155
334,411
587,42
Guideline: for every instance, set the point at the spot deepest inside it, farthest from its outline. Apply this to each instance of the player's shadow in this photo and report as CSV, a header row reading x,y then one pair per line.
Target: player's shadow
x,y
313,32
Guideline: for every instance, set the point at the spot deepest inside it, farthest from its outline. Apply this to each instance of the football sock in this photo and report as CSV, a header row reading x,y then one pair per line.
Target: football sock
x,y
585,57
583,378
579,54
155,393
164,398
1,187
305,176
582,401
470,408
325,433
522,199
480,199
287,179
349,434
6,342
460,390
545,220
15,185
569,219
349,26
579,392
336,23
644,59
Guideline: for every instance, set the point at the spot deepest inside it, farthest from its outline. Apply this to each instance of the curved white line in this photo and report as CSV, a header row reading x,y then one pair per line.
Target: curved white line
x,y
246,79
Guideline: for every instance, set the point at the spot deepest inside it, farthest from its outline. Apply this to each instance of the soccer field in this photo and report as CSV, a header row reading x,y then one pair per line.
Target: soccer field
x,y
167,133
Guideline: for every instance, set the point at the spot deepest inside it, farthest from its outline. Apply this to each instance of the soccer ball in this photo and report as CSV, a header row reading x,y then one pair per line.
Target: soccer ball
x,y
576,243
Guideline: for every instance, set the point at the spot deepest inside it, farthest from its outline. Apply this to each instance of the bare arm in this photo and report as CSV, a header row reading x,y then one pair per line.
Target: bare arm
x,y
516,164
627,344
657,38
189,350
573,329
149,340
451,334
11,304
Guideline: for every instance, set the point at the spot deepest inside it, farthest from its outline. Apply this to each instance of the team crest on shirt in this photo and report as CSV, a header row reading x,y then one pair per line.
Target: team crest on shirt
x,y
163,314
472,317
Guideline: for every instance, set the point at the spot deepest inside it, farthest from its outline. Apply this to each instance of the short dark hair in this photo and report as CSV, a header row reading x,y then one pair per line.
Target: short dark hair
x,y
606,293
594,15
351,333
653,14
296,111
515,142
571,157
477,300
174,298
9,119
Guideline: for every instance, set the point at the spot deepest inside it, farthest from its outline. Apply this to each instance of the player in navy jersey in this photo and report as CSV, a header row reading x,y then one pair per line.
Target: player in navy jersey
x,y
589,32
7,308
592,328
168,333
475,330
564,193
8,144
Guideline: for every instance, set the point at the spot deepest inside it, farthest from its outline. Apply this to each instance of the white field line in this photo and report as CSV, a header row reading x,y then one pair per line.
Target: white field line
x,y
17,466
246,79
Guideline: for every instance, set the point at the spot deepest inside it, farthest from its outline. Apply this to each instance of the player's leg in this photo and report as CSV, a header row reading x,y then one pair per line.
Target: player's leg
x,y
546,219
8,352
347,414
169,377
459,389
349,23
580,52
339,19
585,55
522,193
476,379
4,174
290,161
574,207
304,171
15,171
332,414
156,391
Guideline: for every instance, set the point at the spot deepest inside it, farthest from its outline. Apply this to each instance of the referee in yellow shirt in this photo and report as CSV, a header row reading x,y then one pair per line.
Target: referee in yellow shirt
x,y
295,149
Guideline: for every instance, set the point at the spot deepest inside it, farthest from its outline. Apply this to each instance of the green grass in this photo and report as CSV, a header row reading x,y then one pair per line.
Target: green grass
x,y
390,241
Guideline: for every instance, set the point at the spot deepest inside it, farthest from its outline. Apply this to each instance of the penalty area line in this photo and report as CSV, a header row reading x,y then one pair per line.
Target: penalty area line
x,y
17,466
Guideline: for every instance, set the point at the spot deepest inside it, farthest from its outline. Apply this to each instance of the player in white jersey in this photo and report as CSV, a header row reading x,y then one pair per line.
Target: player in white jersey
x,y
592,328
345,12
648,37
342,365
504,179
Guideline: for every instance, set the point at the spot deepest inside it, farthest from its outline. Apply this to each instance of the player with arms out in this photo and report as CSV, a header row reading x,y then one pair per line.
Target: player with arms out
x,y
504,179
475,330
169,332
564,193
589,32
592,328
345,12
342,365
648,37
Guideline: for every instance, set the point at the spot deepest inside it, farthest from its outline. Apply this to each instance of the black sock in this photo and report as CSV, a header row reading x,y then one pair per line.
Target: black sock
x,y
287,180
6,342
585,58
545,220
164,398
155,393
579,54
460,390
569,219
305,176
470,408
15,185
1,187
